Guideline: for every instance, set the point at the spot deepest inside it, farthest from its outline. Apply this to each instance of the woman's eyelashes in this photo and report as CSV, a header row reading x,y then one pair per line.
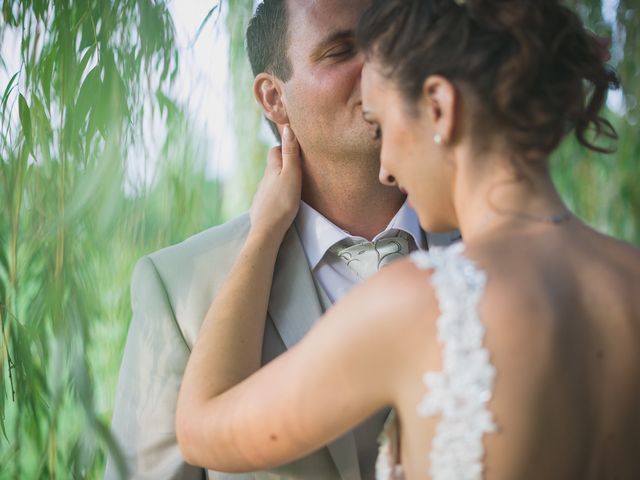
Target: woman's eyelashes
x,y
375,127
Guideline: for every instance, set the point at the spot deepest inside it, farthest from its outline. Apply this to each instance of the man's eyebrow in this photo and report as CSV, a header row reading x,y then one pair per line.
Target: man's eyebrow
x,y
329,39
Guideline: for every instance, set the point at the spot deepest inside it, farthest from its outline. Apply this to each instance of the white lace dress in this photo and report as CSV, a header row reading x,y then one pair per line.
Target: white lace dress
x,y
459,394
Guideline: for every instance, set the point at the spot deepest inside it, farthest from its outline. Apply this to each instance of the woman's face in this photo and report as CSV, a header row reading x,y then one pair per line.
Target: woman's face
x,y
409,157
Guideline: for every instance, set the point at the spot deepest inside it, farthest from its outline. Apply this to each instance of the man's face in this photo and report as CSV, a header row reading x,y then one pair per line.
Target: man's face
x,y
322,98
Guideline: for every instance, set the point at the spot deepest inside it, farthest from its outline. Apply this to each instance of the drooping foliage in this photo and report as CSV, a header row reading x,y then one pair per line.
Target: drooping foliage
x,y
90,83
89,92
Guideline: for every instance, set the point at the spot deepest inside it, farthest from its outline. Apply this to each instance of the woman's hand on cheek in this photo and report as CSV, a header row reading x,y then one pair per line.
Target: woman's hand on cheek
x,y
277,200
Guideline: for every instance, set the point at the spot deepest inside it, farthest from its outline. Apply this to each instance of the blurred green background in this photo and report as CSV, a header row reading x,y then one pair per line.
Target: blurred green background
x,y
92,88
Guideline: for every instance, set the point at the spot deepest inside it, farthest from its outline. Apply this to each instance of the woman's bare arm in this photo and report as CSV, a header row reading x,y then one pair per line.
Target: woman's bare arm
x,y
229,344
347,368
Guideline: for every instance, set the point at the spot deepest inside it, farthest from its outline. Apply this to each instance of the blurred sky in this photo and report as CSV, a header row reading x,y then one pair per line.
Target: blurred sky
x,y
615,99
203,86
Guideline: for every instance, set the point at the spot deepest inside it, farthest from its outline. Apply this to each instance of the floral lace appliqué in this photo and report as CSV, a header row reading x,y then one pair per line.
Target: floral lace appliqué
x,y
461,391
387,466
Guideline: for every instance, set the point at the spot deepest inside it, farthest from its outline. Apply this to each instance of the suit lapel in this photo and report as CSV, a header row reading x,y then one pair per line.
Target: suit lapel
x,y
294,307
293,303
345,456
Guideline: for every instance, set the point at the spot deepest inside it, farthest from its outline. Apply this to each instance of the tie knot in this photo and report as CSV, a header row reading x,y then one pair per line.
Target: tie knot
x,y
365,258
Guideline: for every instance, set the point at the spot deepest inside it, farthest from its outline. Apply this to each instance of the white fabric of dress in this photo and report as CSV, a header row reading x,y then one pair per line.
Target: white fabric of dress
x,y
459,394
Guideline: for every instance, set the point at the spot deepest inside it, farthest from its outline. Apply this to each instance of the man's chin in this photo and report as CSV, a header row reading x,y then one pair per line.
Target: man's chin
x,y
369,148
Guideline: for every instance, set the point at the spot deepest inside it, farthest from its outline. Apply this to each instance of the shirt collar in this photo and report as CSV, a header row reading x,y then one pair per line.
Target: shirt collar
x,y
318,234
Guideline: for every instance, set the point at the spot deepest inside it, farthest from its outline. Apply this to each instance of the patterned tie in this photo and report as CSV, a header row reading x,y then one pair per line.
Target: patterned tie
x,y
366,258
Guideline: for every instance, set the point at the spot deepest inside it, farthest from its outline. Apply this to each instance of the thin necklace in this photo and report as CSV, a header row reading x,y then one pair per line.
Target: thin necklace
x,y
554,219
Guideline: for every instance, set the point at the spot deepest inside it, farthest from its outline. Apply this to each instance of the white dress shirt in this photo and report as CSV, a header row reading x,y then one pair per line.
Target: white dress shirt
x,y
318,234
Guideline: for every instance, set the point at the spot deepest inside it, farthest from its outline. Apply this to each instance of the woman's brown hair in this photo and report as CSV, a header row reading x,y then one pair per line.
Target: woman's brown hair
x,y
537,72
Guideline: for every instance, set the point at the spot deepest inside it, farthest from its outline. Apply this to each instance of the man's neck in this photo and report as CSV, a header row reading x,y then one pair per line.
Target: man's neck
x,y
351,197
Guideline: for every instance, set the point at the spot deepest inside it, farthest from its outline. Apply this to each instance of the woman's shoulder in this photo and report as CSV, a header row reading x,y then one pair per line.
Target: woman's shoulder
x,y
401,287
419,285
549,271
422,274
405,299
619,253
398,304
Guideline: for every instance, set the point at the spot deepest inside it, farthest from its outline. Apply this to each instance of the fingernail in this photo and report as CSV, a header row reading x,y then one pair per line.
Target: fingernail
x,y
288,134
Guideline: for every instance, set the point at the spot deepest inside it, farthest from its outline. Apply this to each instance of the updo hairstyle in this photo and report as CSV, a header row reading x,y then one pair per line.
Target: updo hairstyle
x,y
535,71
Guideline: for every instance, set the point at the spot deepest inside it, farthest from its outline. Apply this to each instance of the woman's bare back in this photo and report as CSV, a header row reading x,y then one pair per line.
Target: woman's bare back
x,y
562,312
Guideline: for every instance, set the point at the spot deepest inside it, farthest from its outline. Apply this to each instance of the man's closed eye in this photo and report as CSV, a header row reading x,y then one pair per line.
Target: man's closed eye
x,y
341,51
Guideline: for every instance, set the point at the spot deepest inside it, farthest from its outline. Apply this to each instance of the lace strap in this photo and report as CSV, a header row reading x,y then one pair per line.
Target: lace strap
x,y
461,391
387,463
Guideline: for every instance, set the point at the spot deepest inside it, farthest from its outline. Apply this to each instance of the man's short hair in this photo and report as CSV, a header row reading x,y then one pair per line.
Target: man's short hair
x,y
266,43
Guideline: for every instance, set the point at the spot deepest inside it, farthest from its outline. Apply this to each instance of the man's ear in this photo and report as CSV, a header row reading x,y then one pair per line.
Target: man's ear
x,y
439,97
268,92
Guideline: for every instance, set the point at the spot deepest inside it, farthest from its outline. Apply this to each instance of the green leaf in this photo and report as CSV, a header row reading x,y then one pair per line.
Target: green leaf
x,y
3,346
4,264
6,13
7,92
25,121
116,90
83,62
39,8
113,448
89,93
45,75
43,133
87,35
203,23
67,65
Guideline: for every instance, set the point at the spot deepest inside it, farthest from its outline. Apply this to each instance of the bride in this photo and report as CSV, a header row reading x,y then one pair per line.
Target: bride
x,y
514,356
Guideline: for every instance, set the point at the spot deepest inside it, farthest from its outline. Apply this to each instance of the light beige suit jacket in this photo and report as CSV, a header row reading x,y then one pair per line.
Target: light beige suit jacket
x,y
171,293
172,290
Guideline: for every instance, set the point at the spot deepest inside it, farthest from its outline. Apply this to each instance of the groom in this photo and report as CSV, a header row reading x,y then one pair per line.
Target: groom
x,y
307,74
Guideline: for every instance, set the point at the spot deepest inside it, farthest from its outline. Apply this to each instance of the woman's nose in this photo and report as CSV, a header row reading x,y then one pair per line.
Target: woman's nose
x,y
386,178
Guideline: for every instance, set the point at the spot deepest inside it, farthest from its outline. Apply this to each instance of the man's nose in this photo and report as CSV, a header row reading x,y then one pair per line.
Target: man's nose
x,y
386,178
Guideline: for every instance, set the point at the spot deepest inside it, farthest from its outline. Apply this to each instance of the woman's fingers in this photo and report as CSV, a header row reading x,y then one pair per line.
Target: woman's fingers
x,y
290,149
277,199
274,159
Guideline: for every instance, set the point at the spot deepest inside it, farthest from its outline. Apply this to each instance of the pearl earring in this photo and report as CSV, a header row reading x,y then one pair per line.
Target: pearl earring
x,y
437,138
